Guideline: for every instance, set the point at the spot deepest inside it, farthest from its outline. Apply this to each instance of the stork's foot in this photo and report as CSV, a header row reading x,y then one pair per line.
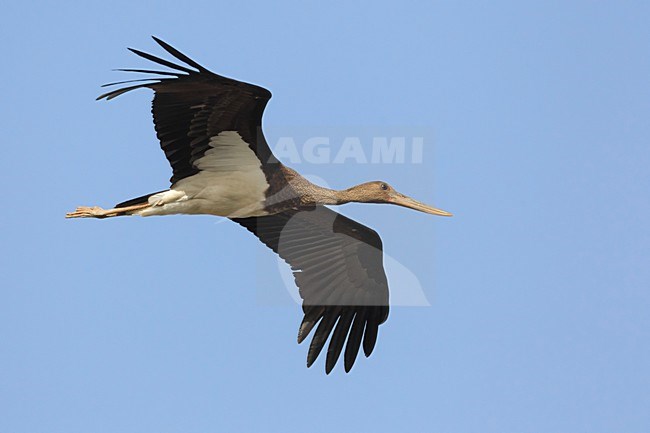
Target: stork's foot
x,y
97,212
90,212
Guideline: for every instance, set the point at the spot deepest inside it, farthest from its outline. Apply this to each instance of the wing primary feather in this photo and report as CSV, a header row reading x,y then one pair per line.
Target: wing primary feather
x,y
322,332
154,81
354,340
161,61
338,339
308,322
149,71
180,56
370,336
118,92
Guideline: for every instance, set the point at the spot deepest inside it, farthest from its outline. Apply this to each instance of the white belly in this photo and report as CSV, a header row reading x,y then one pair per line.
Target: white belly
x,y
230,184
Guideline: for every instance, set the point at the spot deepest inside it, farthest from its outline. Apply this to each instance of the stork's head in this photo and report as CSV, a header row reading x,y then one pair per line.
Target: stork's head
x,y
382,192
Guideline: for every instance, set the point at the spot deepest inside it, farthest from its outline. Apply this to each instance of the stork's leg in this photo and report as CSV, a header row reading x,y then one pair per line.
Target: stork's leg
x,y
97,212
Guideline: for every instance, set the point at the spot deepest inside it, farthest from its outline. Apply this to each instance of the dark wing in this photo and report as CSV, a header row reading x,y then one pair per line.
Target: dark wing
x,y
192,104
338,267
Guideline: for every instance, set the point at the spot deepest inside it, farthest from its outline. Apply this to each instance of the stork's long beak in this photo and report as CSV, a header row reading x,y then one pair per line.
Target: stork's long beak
x,y
406,201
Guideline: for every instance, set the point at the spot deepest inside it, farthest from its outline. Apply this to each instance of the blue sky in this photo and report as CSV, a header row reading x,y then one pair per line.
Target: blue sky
x,y
536,138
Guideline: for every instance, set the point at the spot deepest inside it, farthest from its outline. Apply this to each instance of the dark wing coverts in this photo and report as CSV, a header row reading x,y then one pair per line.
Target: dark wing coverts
x,y
193,104
338,267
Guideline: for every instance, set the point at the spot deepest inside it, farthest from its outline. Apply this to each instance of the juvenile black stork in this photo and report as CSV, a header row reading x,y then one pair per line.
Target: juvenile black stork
x,y
209,127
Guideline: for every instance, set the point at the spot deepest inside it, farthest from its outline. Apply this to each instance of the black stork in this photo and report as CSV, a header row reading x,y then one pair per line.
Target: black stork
x,y
209,127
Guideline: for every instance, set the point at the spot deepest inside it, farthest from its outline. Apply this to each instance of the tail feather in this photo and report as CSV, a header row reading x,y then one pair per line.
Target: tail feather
x,y
138,200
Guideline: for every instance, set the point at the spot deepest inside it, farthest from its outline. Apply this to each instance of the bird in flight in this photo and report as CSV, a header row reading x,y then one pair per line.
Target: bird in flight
x,y
210,129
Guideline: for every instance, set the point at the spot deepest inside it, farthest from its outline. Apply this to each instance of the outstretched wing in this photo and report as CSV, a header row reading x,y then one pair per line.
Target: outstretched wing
x,y
191,105
338,267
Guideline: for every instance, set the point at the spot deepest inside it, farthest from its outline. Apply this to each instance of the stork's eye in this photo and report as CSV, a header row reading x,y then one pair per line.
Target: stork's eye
x,y
383,186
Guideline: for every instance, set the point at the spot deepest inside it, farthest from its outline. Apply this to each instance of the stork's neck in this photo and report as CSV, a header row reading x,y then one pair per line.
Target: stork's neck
x,y
322,195
312,194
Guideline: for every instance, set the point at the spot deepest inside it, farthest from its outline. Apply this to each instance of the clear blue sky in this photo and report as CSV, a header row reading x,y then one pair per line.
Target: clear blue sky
x,y
539,286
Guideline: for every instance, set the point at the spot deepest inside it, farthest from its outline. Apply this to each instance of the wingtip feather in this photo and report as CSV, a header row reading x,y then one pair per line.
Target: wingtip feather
x,y
180,56
160,61
338,339
354,341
